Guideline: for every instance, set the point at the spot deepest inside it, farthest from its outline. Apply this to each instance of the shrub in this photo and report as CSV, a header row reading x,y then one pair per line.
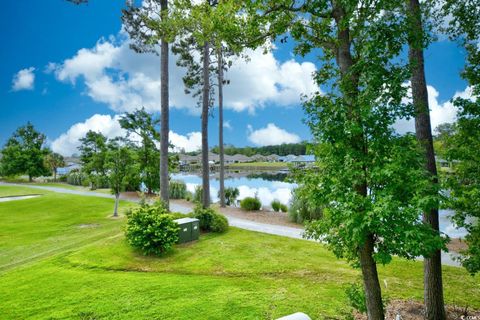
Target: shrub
x,y
151,229
276,205
250,204
198,194
283,207
188,196
210,220
302,210
231,194
178,189
356,297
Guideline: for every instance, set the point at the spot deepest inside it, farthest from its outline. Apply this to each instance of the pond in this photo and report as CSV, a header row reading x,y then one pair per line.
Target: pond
x,y
269,186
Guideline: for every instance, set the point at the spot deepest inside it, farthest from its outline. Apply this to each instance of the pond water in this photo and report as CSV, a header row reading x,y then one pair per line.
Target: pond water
x,y
269,186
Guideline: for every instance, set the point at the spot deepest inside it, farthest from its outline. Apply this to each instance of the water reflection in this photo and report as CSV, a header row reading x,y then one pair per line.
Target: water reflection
x,y
269,186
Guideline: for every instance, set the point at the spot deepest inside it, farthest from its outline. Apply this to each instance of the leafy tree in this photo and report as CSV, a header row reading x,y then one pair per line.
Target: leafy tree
x,y
53,161
370,182
142,124
24,153
122,170
93,152
463,144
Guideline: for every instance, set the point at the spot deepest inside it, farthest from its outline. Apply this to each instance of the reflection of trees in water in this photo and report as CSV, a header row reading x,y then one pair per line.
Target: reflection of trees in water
x,y
269,176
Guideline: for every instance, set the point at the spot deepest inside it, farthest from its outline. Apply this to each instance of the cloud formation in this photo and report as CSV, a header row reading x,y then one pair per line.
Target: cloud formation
x,y
191,142
67,143
124,80
271,135
440,112
24,79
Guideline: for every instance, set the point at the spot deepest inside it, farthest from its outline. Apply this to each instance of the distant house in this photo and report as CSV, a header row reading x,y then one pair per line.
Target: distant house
x,y
304,160
288,158
240,158
186,159
68,168
272,158
258,158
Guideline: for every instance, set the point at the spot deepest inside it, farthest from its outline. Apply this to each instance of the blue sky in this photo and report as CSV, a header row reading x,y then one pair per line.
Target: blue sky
x,y
78,73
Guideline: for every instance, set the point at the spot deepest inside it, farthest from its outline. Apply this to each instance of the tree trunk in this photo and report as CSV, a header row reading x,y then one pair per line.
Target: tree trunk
x,y
368,265
205,107
164,121
433,284
220,127
30,178
373,294
55,175
115,209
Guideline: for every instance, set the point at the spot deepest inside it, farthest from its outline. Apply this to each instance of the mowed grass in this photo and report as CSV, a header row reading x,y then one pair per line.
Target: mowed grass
x,y
236,275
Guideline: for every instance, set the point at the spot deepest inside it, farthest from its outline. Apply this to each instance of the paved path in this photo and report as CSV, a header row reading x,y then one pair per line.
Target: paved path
x,y
447,258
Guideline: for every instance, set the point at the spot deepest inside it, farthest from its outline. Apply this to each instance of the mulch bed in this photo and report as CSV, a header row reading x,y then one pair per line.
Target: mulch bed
x,y
413,310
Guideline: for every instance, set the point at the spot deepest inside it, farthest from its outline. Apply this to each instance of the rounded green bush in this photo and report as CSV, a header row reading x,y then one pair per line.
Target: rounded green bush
x,y
209,220
275,205
250,204
151,229
283,207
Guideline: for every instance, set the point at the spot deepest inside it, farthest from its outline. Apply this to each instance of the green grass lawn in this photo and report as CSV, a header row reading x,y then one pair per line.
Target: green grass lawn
x,y
92,273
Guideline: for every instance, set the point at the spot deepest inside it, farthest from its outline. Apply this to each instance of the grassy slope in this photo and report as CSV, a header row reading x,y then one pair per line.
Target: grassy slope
x,y
6,191
238,275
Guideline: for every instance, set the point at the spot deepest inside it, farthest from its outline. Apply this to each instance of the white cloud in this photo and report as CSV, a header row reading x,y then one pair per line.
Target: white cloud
x,y
69,141
191,142
227,125
271,135
440,112
124,80
24,79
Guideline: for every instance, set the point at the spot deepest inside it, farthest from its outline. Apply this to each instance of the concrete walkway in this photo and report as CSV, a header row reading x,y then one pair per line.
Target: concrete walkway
x,y
284,231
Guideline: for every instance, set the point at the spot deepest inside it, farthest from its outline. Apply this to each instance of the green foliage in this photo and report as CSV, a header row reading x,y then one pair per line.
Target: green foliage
x,y
178,189
283,149
151,230
120,162
275,205
53,161
464,182
93,152
198,194
250,204
231,195
210,220
24,153
283,207
303,208
142,124
356,297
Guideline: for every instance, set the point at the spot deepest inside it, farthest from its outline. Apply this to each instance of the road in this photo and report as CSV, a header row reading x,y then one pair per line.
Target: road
x,y
447,258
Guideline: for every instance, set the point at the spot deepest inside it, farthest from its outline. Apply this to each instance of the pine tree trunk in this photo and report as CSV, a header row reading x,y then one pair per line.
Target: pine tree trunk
x,y
433,284
115,209
220,128
164,121
55,175
205,109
